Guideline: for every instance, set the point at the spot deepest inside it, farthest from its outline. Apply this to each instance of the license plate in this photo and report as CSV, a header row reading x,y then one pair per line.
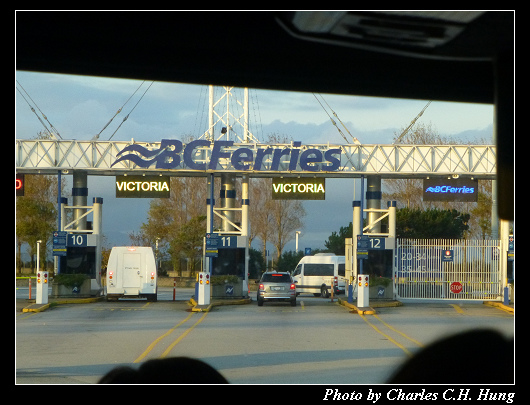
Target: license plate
x,y
276,288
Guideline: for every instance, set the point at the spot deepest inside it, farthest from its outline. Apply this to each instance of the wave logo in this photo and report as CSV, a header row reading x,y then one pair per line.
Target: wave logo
x,y
449,189
166,157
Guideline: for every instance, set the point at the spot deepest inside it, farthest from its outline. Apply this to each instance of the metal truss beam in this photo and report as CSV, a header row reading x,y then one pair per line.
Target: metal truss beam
x,y
388,161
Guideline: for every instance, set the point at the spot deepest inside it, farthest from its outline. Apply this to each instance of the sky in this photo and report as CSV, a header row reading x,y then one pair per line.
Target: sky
x,y
79,107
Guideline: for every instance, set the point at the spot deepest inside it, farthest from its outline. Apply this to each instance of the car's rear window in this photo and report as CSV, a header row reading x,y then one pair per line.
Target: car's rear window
x,y
276,278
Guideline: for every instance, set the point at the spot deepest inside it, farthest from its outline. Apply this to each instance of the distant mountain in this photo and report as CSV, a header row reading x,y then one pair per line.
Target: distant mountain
x,y
327,132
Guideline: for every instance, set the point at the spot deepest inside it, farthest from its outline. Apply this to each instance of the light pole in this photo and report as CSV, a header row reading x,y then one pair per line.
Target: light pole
x,y
297,233
38,255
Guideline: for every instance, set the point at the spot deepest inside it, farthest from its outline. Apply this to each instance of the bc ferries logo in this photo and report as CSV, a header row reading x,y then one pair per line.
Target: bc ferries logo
x,y
449,189
173,154
460,189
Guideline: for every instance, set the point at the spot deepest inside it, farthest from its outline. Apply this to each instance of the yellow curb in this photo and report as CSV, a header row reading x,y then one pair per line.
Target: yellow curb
x,y
359,310
499,305
195,308
36,308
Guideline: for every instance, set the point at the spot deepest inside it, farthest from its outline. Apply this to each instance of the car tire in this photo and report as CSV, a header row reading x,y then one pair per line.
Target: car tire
x,y
324,293
260,303
293,303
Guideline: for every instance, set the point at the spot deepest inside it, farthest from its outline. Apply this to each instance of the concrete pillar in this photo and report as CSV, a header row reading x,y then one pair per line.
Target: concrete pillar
x,y
391,218
79,194
228,200
373,200
357,230
97,228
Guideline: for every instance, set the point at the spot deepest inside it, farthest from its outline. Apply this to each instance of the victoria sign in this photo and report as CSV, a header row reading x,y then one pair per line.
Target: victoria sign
x,y
142,186
292,188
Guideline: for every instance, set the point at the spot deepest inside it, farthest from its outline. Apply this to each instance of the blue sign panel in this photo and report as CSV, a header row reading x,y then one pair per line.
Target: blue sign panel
x,y
59,243
212,240
76,240
365,242
447,255
227,242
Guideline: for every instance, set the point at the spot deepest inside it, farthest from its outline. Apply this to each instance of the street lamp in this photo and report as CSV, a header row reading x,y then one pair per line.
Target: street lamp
x,y
38,255
297,233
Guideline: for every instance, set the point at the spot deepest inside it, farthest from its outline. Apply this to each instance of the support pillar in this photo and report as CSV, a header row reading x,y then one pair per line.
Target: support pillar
x,y
357,230
392,205
373,200
97,230
245,227
504,226
228,200
79,194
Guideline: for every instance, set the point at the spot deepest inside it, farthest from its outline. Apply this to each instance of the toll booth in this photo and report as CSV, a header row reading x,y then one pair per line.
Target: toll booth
x,y
78,251
229,257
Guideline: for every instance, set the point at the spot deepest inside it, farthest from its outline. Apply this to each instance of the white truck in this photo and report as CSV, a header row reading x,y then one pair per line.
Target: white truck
x,y
131,272
316,274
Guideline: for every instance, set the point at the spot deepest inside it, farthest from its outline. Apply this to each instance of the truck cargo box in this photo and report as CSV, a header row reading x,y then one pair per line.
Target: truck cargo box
x,y
131,272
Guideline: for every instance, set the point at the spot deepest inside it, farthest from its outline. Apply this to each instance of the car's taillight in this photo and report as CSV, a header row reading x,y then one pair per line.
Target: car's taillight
x,y
261,287
293,287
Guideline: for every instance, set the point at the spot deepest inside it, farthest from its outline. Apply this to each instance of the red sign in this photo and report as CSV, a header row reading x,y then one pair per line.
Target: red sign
x,y
19,185
456,287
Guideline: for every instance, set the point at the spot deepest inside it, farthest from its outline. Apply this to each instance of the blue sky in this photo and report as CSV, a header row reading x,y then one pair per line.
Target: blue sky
x,y
80,106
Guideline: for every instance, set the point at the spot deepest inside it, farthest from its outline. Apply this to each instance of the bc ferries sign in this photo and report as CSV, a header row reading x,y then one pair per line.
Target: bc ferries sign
x,y
205,155
443,189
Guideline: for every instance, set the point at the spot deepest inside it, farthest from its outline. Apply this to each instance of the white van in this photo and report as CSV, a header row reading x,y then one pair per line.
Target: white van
x,y
131,272
316,274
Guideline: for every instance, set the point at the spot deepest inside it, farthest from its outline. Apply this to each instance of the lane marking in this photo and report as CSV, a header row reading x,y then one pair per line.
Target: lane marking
x,y
172,345
398,331
157,340
457,308
30,314
407,351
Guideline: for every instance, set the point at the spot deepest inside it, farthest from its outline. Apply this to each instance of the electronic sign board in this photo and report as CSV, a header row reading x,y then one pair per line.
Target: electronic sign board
x,y
19,185
294,188
142,186
444,189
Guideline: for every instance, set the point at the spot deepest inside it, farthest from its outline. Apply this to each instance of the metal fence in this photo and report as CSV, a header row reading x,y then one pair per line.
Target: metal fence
x,y
448,269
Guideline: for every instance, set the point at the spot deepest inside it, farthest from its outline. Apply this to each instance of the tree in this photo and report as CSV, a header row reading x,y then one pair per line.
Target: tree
x,y
259,211
178,221
336,241
289,260
36,215
273,220
431,224
286,219
188,240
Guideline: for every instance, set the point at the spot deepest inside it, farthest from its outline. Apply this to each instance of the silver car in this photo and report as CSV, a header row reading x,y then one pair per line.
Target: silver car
x,y
276,286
